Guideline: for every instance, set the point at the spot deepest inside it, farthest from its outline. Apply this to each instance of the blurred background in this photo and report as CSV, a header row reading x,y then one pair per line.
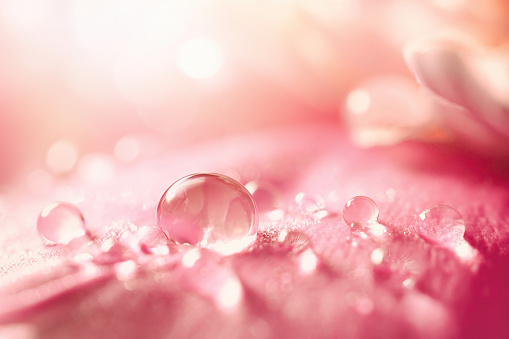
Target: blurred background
x,y
88,83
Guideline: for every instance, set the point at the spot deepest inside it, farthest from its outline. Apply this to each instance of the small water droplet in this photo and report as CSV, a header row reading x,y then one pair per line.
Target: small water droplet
x,y
442,225
360,211
309,204
60,223
211,210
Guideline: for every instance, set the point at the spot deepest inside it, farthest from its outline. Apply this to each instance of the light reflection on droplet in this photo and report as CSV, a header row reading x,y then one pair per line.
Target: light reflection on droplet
x,y
230,294
308,262
466,252
200,58
126,270
442,225
375,229
191,257
60,223
210,210
377,256
61,157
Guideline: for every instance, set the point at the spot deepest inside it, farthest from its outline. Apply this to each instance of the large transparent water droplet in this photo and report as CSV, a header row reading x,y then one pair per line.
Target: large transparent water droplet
x,y
360,211
442,225
211,210
60,223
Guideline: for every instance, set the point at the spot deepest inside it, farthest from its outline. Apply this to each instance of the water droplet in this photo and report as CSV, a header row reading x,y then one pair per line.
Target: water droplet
x,y
60,223
310,204
360,211
441,224
211,210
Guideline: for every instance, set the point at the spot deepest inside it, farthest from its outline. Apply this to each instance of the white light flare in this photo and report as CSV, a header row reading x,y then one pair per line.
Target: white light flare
x,y
308,262
230,295
200,58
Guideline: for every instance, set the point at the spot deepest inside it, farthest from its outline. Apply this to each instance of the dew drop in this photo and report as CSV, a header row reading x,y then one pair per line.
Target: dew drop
x,y
441,224
60,223
211,210
310,204
360,211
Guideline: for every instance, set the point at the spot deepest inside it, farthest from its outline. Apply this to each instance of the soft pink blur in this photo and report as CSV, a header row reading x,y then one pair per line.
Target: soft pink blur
x,y
78,76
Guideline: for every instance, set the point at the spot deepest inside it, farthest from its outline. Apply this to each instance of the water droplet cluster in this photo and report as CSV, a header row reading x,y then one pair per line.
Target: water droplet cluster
x,y
202,216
